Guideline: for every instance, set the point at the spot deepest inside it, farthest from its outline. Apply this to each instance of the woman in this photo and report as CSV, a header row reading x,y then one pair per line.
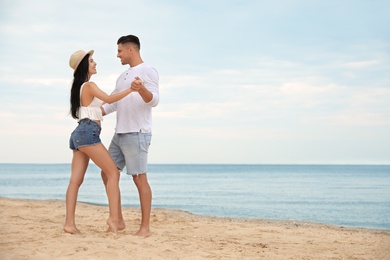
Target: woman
x,y
86,99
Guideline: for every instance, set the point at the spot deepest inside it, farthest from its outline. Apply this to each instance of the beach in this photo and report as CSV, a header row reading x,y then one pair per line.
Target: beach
x,y
32,229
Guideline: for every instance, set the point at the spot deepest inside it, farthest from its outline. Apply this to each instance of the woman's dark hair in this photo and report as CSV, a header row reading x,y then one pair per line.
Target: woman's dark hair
x,y
80,76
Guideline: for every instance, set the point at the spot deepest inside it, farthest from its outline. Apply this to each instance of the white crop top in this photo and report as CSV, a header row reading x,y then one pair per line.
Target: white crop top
x,y
92,111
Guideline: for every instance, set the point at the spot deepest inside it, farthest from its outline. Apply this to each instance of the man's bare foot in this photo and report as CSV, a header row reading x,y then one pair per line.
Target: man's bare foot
x,y
71,230
143,232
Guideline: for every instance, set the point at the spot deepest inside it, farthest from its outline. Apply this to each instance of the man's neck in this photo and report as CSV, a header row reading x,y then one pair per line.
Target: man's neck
x,y
136,62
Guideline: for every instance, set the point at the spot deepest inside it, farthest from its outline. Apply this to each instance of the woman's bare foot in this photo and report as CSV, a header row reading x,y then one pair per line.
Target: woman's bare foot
x,y
112,226
71,230
143,232
121,225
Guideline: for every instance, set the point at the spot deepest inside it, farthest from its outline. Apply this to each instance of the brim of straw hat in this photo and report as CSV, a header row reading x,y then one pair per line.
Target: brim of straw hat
x,y
77,57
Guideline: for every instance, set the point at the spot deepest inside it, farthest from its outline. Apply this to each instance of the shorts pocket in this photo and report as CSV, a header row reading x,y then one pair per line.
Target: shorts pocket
x,y
145,141
96,130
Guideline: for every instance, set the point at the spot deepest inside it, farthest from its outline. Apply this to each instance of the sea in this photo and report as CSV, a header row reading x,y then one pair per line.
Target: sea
x,y
342,195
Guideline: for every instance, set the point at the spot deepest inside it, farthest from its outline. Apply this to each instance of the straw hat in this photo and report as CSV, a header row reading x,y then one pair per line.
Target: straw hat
x,y
77,57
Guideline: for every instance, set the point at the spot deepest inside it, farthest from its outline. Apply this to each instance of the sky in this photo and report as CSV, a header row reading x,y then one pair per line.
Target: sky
x,y
241,82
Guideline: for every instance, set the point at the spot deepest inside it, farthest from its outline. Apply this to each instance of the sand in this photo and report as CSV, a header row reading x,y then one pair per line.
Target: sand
x,y
32,229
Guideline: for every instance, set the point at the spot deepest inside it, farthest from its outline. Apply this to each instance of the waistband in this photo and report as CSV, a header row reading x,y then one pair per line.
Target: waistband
x,y
133,133
88,121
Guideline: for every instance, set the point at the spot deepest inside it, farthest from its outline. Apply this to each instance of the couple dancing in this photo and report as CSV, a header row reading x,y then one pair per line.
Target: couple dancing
x,y
135,94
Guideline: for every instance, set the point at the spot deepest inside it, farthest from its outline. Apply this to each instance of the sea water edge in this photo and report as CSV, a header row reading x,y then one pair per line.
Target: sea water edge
x,y
346,195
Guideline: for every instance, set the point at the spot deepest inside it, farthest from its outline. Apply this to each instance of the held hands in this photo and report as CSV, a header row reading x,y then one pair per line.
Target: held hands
x,y
136,85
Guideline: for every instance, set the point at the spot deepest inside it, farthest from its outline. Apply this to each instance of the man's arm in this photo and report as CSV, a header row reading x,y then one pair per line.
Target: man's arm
x,y
138,85
150,94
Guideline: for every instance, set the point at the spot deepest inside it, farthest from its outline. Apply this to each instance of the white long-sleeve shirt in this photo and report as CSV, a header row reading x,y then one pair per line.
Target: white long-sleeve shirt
x,y
132,113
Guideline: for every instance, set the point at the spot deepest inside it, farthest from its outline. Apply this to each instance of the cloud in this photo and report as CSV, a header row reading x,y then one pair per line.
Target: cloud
x,y
233,75
304,88
49,81
361,64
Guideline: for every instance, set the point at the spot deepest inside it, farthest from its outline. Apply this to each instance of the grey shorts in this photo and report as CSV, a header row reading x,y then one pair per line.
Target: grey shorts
x,y
130,150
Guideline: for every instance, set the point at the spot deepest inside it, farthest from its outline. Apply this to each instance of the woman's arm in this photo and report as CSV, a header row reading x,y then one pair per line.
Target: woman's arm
x,y
94,91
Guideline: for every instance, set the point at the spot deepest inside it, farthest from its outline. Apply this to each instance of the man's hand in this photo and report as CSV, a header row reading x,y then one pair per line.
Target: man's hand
x,y
137,85
103,111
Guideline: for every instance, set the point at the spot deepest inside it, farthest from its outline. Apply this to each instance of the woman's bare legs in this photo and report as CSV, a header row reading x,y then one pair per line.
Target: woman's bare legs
x,y
145,196
101,157
79,167
121,223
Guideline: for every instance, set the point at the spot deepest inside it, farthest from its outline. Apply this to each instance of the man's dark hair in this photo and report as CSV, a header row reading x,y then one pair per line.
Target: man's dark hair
x,y
130,39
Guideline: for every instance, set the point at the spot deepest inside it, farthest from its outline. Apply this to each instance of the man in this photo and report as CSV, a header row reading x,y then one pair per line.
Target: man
x,y
133,132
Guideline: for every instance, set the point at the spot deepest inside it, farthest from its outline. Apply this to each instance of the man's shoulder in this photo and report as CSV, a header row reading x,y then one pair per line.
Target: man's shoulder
x,y
147,66
149,69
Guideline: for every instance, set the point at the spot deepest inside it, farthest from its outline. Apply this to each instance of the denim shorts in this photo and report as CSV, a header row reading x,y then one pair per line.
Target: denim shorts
x,y
131,150
86,133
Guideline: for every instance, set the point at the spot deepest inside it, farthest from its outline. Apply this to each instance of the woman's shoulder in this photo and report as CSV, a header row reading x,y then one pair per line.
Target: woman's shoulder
x,y
90,84
89,88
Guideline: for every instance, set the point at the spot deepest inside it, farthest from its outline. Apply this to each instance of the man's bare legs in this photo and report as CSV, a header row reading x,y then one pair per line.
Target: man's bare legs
x,y
121,221
145,197
101,157
79,167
